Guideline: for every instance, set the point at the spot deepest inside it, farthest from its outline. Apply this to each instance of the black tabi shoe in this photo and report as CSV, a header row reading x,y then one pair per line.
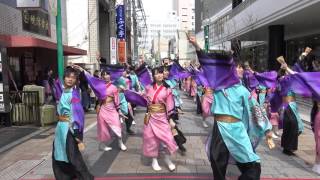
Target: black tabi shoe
x,y
183,150
288,152
130,132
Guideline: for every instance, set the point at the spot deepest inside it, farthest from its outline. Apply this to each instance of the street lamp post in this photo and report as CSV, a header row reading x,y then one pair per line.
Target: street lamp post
x,y
59,41
206,38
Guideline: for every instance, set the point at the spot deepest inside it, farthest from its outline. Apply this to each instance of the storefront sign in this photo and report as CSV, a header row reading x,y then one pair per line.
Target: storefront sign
x,y
113,50
36,21
121,26
28,3
122,51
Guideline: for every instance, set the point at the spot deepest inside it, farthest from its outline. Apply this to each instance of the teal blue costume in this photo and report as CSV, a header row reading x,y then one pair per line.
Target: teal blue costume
x,y
124,105
262,94
60,139
235,135
67,161
173,85
259,123
232,138
135,84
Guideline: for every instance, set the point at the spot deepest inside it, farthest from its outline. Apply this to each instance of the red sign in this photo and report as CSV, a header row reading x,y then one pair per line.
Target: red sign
x,y
122,51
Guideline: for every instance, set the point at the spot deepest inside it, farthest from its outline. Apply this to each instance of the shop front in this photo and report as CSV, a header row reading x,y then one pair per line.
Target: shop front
x,y
27,60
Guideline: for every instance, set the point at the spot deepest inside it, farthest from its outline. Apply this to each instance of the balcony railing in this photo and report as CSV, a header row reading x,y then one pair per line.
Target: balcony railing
x,y
241,7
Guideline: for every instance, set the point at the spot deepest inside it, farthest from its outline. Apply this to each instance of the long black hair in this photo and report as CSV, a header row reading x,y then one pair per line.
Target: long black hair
x,y
156,70
104,72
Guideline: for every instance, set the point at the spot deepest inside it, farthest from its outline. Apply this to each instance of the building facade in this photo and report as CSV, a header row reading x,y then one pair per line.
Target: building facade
x,y
167,29
101,26
263,30
78,36
186,14
29,36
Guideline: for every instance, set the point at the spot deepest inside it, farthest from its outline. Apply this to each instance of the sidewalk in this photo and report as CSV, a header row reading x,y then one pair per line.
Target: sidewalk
x,y
26,154
35,163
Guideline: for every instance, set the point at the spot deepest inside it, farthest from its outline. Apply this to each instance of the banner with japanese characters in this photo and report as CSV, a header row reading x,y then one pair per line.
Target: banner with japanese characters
x,y
36,21
120,20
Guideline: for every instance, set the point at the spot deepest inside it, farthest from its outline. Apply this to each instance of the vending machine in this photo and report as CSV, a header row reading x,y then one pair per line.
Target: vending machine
x,y
5,106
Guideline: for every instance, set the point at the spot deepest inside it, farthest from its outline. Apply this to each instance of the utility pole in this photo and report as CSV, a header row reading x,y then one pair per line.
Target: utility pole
x,y
206,38
135,31
59,41
128,8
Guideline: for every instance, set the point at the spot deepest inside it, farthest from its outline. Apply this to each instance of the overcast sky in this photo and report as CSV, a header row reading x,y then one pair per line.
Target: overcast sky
x,y
157,9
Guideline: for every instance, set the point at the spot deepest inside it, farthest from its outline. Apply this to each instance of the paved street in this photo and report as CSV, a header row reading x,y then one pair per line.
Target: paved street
x,y
31,160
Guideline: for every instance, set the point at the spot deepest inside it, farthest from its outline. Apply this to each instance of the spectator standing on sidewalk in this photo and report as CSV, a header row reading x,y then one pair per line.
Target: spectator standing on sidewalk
x,y
49,86
101,59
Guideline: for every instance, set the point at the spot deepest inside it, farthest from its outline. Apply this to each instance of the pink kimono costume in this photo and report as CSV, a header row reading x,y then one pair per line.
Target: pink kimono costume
x,y
207,100
193,88
274,116
317,132
188,84
158,129
184,87
108,116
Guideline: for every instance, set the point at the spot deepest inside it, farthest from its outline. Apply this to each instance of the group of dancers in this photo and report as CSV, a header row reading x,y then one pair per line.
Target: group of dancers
x,y
118,95
245,105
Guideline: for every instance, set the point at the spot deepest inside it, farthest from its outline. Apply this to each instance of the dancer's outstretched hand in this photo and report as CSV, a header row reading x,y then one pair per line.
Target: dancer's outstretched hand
x,y
269,140
77,67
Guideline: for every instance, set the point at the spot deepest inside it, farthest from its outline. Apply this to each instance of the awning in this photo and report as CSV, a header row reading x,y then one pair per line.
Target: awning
x,y
17,41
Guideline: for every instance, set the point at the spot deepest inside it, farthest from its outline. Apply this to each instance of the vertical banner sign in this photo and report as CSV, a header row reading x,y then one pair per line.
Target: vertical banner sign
x,y
121,33
121,26
122,51
113,50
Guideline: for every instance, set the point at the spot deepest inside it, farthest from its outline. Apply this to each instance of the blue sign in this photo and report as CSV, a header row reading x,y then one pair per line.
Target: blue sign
x,y
121,25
